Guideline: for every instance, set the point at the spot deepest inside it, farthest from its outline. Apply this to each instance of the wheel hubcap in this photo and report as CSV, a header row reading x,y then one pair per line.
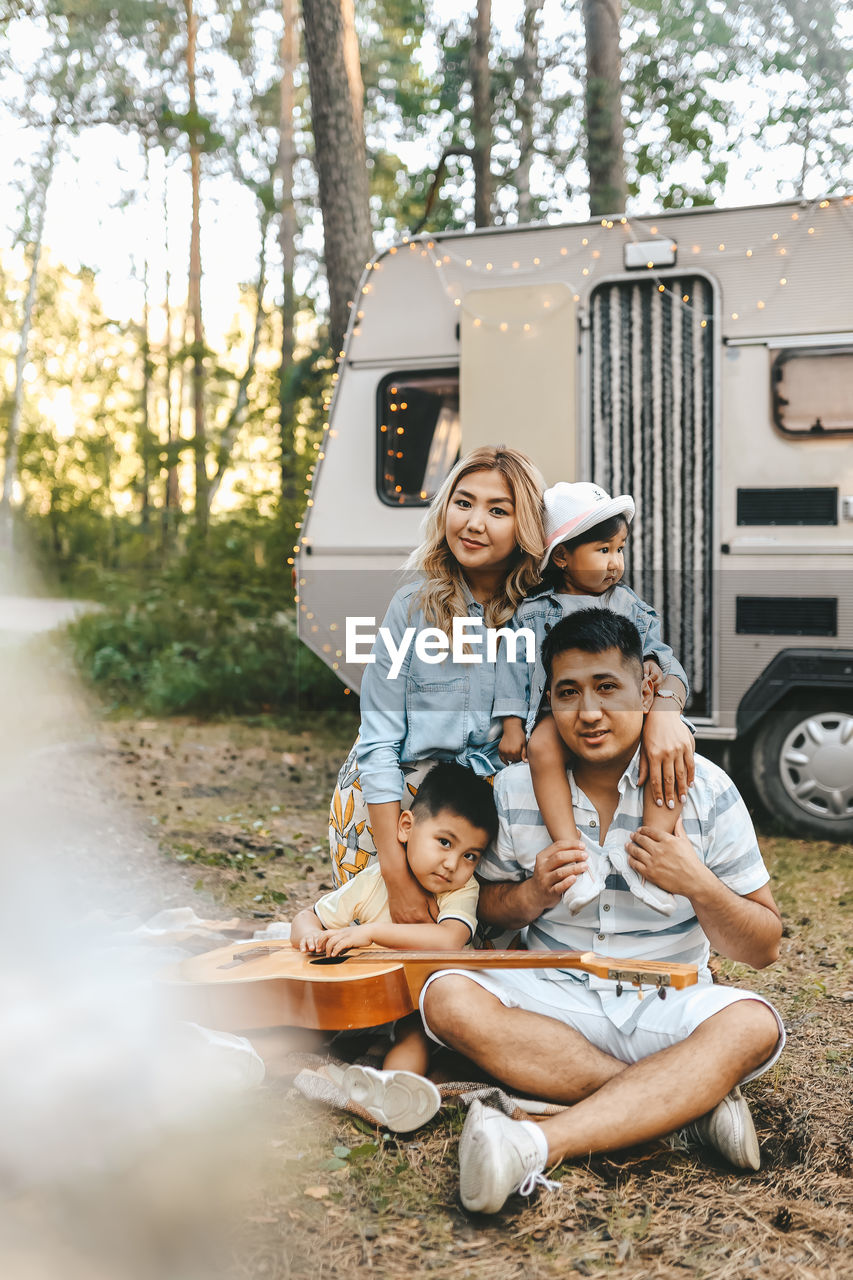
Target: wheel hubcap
x,y
816,765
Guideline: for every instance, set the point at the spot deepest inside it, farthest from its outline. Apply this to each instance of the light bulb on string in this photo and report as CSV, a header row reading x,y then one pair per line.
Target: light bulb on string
x,y
632,226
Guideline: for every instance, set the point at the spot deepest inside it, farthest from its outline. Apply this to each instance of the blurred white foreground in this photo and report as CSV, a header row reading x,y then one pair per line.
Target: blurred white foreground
x,y
124,1139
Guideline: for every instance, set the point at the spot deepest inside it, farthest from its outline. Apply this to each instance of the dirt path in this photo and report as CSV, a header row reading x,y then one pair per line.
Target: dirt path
x,y
241,809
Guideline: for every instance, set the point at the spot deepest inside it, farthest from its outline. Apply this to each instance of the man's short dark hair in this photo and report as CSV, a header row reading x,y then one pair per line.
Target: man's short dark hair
x,y
592,631
451,787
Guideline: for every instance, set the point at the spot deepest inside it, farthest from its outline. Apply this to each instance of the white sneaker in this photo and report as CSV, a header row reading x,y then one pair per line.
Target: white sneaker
x,y
496,1157
729,1129
400,1100
654,897
585,889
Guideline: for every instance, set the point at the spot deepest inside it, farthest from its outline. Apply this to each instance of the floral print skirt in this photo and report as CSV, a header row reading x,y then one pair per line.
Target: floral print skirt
x,y
350,836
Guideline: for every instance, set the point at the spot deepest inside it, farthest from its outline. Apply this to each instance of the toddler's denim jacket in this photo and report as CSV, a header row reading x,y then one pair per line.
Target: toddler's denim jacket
x,y
519,686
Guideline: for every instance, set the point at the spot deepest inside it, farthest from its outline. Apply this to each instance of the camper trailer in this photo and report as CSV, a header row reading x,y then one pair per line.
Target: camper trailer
x,y
701,360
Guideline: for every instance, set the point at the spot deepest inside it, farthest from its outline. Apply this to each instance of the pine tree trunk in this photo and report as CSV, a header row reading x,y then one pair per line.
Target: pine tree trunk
x,y
337,115
481,115
287,242
604,123
194,293
38,210
530,76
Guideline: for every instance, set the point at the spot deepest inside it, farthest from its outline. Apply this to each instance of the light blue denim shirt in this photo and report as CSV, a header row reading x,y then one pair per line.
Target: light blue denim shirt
x,y
428,711
520,685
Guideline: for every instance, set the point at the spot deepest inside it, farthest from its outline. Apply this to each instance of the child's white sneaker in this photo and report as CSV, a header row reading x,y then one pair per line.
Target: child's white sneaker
x,y
654,897
399,1100
588,886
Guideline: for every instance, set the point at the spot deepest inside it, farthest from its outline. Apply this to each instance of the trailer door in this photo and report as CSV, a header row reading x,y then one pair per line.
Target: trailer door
x,y
651,413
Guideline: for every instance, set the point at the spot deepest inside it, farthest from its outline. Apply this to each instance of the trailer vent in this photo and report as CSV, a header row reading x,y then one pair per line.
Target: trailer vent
x,y
652,416
786,616
787,506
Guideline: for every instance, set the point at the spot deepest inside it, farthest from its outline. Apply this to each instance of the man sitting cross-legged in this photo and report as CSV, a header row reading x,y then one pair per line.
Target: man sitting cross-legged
x,y
633,1069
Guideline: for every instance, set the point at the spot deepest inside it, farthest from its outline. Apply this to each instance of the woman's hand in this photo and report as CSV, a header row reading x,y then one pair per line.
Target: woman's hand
x,y
666,756
513,744
409,903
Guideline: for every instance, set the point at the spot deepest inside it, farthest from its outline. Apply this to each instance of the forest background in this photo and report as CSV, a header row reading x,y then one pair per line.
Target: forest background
x,y
158,462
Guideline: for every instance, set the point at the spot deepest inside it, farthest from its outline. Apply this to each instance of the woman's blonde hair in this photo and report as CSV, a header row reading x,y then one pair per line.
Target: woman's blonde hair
x,y
442,596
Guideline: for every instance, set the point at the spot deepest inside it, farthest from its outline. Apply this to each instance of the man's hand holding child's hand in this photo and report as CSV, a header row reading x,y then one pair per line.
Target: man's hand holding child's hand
x,y
669,861
556,870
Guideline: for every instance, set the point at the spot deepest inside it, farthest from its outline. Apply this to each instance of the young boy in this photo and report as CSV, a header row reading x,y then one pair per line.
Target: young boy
x,y
447,830
585,535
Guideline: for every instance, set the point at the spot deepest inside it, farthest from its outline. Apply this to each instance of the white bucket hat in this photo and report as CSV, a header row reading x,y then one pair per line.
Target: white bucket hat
x,y
571,509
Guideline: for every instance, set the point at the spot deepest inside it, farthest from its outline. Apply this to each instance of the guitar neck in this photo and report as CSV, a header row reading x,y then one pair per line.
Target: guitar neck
x,y
627,970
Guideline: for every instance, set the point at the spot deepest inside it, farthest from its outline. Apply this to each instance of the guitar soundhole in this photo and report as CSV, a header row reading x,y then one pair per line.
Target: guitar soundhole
x,y
329,960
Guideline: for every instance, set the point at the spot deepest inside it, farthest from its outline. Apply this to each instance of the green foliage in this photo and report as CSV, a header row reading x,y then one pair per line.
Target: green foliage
x,y
201,647
106,463
688,70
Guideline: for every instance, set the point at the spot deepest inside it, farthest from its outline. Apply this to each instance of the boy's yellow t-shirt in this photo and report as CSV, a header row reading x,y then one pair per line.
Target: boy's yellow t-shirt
x,y
364,900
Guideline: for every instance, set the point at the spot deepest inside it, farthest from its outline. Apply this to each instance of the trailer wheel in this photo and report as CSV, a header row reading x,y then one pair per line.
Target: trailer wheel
x,y
802,764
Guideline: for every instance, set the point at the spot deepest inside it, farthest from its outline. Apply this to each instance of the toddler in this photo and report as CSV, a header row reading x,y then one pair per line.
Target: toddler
x,y
585,535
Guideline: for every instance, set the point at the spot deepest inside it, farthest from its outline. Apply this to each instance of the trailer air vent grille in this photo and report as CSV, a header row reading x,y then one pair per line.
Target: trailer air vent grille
x,y
787,506
786,616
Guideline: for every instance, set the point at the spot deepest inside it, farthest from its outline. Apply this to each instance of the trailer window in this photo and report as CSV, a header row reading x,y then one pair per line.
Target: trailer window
x,y
418,435
813,390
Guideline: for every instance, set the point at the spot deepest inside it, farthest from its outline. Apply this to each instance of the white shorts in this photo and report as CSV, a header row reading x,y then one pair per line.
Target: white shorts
x,y
656,1023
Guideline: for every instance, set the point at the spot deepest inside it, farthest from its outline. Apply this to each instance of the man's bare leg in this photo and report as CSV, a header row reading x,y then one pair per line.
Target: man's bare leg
x,y
532,1054
616,1105
670,1088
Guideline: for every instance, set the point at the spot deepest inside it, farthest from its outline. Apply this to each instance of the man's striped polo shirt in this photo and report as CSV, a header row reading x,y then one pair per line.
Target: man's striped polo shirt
x,y
617,923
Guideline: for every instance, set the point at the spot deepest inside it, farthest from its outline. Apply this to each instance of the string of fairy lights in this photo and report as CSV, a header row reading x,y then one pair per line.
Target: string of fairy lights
x,y
573,266
576,267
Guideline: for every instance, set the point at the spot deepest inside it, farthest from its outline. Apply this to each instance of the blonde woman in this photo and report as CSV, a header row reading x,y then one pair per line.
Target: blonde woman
x,y
479,558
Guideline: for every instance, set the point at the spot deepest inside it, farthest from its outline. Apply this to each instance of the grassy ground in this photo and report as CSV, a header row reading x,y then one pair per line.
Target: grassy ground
x,y
245,806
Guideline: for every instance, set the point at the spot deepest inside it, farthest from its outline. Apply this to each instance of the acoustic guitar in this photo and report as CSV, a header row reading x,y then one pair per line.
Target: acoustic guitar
x,y
250,985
